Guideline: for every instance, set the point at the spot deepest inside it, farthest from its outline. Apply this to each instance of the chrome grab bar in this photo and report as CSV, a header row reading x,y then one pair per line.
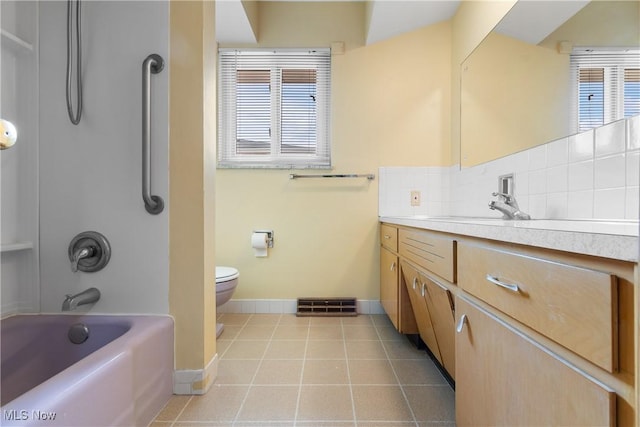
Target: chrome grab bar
x,y
153,64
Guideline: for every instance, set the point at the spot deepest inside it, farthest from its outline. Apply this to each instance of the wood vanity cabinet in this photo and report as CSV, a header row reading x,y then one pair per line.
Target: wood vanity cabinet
x,y
393,297
428,267
506,379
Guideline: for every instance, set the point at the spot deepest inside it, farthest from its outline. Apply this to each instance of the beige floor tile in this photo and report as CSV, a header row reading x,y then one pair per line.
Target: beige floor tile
x,y
279,372
325,372
319,423
230,332
256,332
237,319
264,319
325,332
270,403
236,371
250,349
389,333
161,424
386,424
381,320
325,321
417,372
292,319
221,403
436,424
326,349
326,403
360,332
403,350
204,424
357,320
286,349
291,332
222,346
173,408
431,403
371,372
380,403
365,350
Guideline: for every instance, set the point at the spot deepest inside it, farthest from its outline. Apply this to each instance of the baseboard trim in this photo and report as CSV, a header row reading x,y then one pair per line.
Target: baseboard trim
x,y
285,306
195,381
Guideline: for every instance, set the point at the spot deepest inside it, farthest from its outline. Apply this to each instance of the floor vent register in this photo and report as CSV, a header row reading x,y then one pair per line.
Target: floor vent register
x,y
327,307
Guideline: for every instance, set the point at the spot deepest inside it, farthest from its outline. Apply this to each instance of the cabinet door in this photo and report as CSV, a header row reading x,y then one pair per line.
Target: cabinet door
x,y
440,305
389,285
505,379
393,296
414,284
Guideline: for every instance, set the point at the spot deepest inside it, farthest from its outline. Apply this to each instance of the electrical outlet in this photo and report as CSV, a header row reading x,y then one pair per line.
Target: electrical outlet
x,y
415,198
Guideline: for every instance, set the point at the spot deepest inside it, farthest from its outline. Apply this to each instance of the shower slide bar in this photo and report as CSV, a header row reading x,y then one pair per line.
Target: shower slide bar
x,y
369,176
153,64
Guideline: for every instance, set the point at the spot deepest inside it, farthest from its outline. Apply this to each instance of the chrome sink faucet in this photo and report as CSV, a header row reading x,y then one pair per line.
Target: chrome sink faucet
x,y
88,296
508,206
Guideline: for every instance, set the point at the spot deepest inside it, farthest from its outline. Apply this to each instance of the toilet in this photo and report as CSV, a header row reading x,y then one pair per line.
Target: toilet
x,y
226,282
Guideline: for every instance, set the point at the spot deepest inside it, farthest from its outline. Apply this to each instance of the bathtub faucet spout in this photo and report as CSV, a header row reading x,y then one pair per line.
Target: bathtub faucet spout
x,y
89,296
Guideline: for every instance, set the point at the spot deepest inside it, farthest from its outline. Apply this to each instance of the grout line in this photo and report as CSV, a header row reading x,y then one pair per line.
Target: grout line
x,y
395,374
181,411
304,362
346,356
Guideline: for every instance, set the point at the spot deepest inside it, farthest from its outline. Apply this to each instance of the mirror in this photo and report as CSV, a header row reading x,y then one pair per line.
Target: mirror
x,y
515,89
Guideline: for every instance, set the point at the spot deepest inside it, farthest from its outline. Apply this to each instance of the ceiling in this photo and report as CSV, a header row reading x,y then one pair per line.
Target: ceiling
x,y
386,18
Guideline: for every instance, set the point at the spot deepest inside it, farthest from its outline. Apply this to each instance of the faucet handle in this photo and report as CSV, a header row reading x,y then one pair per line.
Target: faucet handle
x,y
507,197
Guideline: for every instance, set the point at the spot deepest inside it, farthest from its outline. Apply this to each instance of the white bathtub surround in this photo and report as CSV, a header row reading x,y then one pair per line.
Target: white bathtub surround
x,y
286,306
592,175
90,174
195,381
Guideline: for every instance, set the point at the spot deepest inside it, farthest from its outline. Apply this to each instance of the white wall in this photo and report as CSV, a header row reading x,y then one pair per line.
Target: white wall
x,y
19,165
90,174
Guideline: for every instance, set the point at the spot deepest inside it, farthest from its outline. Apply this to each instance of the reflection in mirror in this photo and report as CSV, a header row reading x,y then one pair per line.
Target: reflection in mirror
x,y
520,87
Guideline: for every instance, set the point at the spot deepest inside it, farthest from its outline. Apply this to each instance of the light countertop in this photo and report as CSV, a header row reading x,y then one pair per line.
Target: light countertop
x,y
603,238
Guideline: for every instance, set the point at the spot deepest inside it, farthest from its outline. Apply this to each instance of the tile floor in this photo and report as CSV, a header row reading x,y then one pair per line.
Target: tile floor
x,y
283,370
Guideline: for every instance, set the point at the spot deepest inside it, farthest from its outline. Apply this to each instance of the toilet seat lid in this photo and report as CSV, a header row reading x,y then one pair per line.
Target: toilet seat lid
x,y
224,274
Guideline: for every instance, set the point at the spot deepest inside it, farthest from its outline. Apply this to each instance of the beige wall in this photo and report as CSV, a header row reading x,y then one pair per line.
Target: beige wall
x,y
470,25
390,105
192,188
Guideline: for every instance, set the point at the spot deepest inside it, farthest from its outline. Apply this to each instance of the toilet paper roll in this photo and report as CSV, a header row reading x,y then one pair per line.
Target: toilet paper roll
x,y
259,244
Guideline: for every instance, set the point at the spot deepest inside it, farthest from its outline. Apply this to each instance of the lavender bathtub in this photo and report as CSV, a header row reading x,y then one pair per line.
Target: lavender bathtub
x,y
120,376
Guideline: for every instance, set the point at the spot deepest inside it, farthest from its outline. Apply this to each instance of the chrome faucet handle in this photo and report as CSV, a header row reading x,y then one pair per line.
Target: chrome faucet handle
x,y
506,197
85,252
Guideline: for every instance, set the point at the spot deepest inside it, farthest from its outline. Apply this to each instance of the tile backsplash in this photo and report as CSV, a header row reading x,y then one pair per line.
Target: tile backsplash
x,y
591,175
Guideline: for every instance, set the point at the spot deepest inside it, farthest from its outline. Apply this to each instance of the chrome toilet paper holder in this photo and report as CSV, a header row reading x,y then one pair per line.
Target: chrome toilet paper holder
x,y
269,236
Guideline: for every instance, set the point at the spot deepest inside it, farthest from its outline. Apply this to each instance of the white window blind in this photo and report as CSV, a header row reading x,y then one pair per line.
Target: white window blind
x,y
274,108
606,86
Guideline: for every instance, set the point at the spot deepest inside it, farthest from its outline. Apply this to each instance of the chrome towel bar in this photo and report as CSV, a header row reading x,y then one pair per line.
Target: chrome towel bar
x,y
369,176
153,64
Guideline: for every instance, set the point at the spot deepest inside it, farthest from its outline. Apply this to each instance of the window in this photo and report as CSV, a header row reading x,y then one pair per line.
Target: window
x,y
274,108
606,86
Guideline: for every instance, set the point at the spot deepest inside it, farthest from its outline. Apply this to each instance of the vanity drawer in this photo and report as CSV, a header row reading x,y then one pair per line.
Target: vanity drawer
x,y
389,237
431,251
574,306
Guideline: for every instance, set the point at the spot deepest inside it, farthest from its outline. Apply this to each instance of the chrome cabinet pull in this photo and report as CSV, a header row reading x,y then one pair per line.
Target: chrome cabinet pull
x,y
386,236
415,282
423,290
496,281
153,64
461,322
393,266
